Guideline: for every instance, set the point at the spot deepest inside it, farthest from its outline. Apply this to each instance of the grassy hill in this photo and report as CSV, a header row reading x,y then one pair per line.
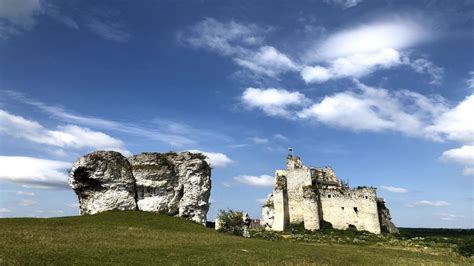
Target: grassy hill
x,y
140,237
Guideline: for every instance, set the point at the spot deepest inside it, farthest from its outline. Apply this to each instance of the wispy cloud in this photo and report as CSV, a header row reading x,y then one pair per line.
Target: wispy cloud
x,y
65,137
166,131
438,203
34,172
273,102
257,181
110,30
216,159
26,203
450,217
344,4
394,189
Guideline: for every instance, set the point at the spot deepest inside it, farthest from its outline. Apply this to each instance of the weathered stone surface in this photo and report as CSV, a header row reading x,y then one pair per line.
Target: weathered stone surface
x,y
103,181
173,183
386,223
268,212
308,195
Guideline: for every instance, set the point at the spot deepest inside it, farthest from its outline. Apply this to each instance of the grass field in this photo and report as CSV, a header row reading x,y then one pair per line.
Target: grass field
x,y
140,237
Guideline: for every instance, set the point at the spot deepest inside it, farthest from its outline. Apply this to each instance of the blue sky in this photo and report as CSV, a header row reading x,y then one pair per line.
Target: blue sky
x,y
383,91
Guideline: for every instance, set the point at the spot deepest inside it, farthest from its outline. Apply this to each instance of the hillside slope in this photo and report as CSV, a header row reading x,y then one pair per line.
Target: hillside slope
x,y
140,237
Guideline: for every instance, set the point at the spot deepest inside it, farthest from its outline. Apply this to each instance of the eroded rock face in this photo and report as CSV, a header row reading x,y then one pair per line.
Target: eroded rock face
x,y
268,213
103,181
173,183
385,218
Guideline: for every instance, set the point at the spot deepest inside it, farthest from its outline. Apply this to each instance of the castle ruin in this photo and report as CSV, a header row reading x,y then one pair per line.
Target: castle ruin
x,y
310,195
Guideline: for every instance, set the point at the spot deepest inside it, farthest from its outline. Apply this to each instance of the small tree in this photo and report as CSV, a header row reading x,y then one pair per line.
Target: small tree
x,y
230,221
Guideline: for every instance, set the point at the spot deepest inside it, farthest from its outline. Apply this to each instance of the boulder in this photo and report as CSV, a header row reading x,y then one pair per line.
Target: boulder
x,y
173,183
103,181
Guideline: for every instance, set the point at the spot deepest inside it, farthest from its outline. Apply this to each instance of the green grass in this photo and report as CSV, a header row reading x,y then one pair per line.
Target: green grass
x,y
140,237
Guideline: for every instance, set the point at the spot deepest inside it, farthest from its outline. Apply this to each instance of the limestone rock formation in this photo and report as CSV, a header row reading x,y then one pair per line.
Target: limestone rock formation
x,y
268,212
103,181
173,183
386,223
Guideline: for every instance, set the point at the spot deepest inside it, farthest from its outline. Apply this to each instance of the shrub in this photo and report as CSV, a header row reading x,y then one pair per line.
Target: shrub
x,y
231,221
325,225
466,248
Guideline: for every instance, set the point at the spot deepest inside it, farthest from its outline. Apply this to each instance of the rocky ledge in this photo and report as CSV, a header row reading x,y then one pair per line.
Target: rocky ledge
x,y
172,183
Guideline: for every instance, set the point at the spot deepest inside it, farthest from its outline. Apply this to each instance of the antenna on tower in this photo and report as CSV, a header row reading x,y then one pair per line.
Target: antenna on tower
x,y
290,152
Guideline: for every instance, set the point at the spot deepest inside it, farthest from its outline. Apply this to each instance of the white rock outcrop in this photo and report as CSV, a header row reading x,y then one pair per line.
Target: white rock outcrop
x,y
172,183
103,181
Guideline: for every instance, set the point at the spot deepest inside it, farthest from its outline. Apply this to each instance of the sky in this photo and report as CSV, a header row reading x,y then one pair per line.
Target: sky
x,y
382,91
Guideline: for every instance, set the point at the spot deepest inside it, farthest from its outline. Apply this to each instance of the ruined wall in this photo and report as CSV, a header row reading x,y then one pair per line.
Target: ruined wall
x,y
297,177
356,206
311,208
280,203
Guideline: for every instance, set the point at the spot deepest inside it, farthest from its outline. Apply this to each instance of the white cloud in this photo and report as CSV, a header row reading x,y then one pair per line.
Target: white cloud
x,y
4,210
69,136
361,50
268,61
280,137
258,140
468,171
463,156
229,38
216,159
25,193
165,131
19,11
450,217
458,123
257,181
394,189
377,109
261,200
73,205
242,42
356,65
470,80
34,172
438,203
114,31
274,102
345,4
393,33
424,66
26,203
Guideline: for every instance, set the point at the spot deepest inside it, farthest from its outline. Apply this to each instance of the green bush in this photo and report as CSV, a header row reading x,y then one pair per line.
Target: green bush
x,y
265,234
325,225
230,221
466,248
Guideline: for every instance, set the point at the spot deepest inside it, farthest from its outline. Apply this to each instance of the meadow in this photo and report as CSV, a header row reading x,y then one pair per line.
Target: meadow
x,y
142,238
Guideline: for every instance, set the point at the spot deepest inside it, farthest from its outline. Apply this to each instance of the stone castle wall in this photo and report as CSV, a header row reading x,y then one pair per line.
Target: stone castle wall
x,y
356,207
310,195
296,180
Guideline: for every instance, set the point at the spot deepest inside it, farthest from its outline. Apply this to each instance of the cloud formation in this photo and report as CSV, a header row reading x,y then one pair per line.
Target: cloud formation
x,y
34,172
244,43
344,4
64,137
273,102
394,189
438,203
216,159
256,181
